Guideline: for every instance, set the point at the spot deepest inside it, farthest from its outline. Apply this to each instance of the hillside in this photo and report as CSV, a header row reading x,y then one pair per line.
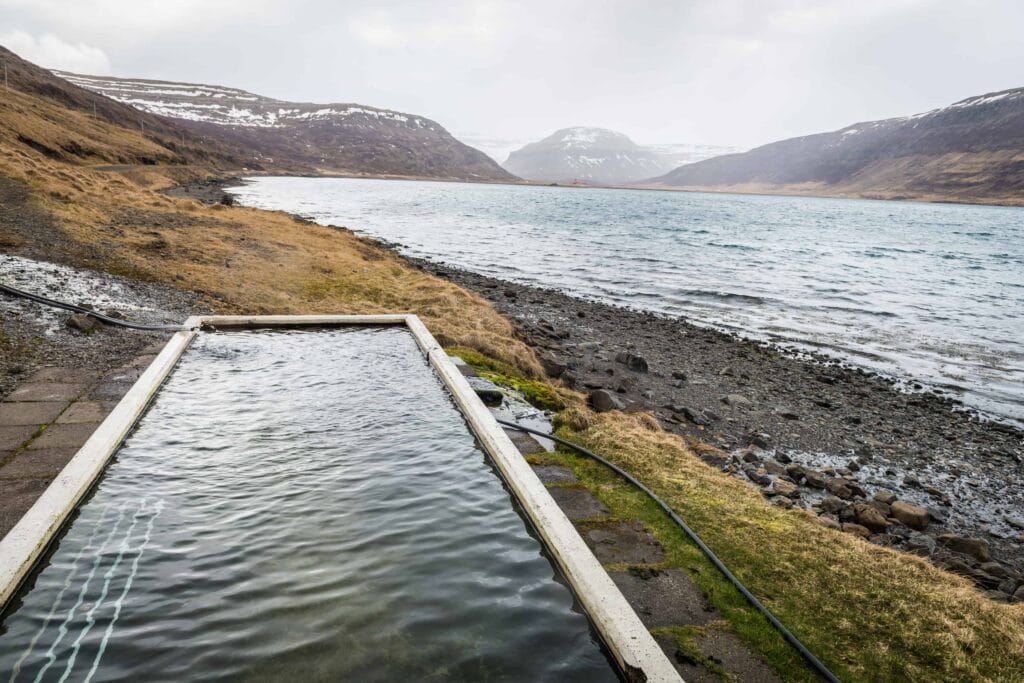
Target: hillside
x,y
972,150
304,137
598,156
64,122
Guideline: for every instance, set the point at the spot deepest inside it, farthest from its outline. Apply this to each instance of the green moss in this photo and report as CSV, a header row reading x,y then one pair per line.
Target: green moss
x,y
537,393
481,362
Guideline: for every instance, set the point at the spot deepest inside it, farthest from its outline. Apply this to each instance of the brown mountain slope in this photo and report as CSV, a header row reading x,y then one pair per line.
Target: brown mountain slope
x,y
302,136
970,151
69,123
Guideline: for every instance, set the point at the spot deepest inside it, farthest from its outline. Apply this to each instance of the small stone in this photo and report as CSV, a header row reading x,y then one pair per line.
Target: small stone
x,y
679,375
83,323
870,517
773,467
887,497
829,522
1018,595
695,416
781,487
832,504
760,439
856,529
920,544
604,401
815,479
994,569
912,515
787,413
736,401
758,476
839,487
552,368
632,361
973,547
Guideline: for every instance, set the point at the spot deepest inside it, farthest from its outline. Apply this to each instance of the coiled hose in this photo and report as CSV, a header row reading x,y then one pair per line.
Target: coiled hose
x,y
105,319
754,602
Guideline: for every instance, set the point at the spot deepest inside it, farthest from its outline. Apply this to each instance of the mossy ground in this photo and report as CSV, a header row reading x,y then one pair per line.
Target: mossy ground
x,y
539,394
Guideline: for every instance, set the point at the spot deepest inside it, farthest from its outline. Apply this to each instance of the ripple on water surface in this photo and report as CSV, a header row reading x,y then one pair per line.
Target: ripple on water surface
x,y
300,504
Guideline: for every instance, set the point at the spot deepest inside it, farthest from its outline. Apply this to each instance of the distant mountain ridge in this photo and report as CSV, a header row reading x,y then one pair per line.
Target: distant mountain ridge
x,y
598,155
349,138
972,150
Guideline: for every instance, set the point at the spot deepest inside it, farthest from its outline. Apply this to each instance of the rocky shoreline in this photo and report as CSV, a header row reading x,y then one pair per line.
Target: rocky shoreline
x,y
911,471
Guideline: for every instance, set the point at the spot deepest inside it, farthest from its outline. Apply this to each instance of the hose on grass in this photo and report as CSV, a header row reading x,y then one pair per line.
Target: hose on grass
x,y
808,656
105,319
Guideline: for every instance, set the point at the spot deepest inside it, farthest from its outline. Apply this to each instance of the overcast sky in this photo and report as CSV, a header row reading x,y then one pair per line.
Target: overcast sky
x,y
730,72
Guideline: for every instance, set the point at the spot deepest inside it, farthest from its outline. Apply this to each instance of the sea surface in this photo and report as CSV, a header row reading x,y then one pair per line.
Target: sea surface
x,y
927,293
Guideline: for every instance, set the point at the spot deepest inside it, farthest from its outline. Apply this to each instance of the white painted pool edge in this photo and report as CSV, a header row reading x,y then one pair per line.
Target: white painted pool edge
x,y
619,626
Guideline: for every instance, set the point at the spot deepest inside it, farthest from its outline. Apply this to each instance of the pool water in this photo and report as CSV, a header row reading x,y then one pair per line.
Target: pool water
x,y
300,505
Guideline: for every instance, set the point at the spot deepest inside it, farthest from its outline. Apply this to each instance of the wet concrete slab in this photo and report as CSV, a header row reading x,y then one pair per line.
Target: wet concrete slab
x,y
37,464
123,375
623,543
526,444
689,667
664,597
109,390
47,392
555,474
62,376
64,436
579,504
30,413
86,411
728,651
11,437
18,497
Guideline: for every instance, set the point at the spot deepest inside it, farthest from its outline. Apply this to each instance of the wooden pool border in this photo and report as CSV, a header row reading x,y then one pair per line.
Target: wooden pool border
x,y
634,649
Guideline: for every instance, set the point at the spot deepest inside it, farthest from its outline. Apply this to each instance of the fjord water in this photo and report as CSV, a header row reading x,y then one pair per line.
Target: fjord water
x,y
300,505
925,292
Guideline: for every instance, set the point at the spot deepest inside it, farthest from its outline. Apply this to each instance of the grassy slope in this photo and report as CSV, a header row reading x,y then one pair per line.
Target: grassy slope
x,y
871,613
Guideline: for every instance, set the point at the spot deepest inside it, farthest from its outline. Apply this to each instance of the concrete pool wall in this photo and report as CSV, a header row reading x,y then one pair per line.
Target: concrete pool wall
x,y
635,651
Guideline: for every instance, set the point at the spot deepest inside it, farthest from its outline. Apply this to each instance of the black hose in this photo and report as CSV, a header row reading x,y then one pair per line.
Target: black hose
x,y
105,319
772,619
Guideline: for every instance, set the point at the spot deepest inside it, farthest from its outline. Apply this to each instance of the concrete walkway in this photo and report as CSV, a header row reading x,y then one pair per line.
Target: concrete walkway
x,y
46,420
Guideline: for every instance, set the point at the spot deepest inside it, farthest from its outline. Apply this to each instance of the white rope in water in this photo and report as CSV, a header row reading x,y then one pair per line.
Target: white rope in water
x,y
63,630
158,508
60,596
90,616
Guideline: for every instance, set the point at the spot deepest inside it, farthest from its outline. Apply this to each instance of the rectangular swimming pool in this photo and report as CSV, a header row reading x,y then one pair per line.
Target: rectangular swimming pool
x,y
303,503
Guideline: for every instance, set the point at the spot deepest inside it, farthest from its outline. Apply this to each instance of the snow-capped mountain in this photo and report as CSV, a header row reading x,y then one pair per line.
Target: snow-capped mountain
x,y
598,155
333,137
970,150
